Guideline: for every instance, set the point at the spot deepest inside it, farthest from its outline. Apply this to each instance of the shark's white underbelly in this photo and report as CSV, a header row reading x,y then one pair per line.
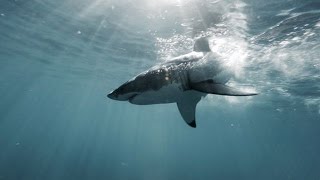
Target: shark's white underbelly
x,y
168,94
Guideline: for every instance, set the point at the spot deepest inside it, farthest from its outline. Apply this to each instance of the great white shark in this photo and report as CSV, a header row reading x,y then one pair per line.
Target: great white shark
x,y
183,80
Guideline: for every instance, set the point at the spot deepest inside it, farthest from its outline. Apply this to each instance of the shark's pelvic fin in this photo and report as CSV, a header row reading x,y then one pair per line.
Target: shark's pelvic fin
x,y
187,108
211,87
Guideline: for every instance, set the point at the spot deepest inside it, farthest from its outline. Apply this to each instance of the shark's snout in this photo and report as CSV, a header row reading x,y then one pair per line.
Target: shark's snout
x,y
119,96
112,95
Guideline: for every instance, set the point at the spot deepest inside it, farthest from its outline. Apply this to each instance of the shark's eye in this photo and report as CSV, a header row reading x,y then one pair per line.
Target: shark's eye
x,y
121,89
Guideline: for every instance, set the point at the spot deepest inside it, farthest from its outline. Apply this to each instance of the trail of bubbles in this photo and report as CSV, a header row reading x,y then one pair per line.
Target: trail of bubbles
x,y
285,59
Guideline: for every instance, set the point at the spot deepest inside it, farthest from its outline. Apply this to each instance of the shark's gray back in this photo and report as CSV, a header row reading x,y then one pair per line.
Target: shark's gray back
x,y
174,71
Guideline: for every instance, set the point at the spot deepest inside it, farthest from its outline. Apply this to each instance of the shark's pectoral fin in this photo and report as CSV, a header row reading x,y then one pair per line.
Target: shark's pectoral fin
x,y
187,108
213,88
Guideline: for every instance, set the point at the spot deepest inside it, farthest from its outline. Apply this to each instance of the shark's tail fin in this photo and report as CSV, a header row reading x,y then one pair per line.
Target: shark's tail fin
x,y
202,45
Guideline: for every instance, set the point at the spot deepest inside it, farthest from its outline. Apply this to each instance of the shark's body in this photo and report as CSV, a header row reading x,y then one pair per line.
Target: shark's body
x,y
182,80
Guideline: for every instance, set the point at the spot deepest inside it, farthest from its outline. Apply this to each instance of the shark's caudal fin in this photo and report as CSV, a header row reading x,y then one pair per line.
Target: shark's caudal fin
x,y
187,108
213,88
202,45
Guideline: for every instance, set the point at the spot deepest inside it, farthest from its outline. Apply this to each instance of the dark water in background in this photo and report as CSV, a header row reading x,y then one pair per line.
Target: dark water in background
x,y
59,59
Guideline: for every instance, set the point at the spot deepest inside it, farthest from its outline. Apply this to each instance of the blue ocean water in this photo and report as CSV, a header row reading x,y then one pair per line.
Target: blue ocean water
x,y
59,59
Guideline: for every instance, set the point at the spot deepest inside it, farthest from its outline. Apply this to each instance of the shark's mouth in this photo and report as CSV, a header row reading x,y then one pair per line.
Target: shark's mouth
x,y
132,97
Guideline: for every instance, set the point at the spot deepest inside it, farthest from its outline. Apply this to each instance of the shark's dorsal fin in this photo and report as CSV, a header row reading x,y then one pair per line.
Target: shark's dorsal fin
x,y
187,108
202,45
211,87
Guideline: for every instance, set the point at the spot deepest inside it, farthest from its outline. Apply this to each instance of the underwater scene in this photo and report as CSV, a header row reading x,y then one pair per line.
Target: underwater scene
x,y
233,92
